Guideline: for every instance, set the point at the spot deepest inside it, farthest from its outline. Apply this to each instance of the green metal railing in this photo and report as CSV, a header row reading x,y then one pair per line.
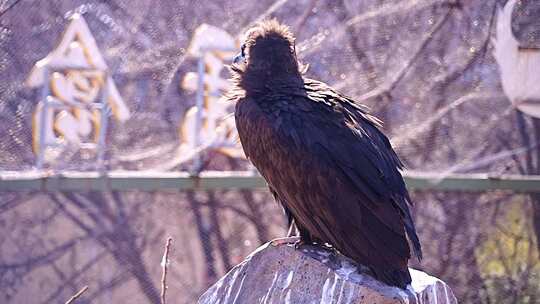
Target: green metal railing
x,y
152,181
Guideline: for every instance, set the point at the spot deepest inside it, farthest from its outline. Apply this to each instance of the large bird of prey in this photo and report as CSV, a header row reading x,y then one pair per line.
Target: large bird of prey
x,y
323,156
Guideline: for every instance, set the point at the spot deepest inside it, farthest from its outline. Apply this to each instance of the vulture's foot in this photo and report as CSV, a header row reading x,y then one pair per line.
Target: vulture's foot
x,y
285,240
299,243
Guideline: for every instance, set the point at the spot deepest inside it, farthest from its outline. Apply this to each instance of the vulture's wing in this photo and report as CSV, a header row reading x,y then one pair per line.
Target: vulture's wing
x,y
331,167
355,143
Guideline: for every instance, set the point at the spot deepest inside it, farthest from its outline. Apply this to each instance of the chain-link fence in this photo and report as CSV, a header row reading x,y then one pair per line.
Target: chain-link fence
x,y
426,68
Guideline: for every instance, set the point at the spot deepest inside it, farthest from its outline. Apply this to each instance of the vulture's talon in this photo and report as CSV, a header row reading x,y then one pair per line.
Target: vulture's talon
x,y
299,243
285,240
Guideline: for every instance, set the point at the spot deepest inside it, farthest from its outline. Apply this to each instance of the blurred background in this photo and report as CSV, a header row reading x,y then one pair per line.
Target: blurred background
x,y
427,68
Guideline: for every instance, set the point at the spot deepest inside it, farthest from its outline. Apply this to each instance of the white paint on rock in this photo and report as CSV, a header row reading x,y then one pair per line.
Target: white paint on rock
x,y
281,274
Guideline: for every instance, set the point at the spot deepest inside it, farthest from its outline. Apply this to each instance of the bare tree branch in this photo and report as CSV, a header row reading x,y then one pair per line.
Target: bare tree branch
x,y
77,295
165,265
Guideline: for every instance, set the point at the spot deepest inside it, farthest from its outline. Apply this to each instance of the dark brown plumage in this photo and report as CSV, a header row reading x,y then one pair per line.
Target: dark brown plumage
x,y
323,156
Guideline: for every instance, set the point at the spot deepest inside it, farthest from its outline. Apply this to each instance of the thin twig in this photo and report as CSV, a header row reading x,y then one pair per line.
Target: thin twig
x,y
389,87
391,8
271,9
77,295
79,272
299,24
164,264
9,7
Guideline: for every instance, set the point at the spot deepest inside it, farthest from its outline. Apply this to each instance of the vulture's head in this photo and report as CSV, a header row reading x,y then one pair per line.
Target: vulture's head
x,y
268,49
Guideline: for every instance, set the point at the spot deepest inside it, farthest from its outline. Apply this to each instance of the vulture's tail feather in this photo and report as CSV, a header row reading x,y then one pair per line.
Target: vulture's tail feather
x,y
394,277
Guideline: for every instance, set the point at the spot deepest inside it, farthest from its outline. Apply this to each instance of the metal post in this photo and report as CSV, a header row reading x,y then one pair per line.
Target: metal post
x,y
197,162
103,124
43,120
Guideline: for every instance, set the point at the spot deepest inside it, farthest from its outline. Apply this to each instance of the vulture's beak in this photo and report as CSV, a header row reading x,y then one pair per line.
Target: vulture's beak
x,y
238,58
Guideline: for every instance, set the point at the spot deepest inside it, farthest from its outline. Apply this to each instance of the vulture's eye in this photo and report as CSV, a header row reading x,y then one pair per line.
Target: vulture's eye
x,y
243,50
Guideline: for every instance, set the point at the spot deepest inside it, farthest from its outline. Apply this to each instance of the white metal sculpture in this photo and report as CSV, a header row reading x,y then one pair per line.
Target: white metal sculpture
x,y
520,66
77,94
209,124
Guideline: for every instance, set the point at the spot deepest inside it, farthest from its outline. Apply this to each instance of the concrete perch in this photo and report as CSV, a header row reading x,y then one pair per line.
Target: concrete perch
x,y
277,273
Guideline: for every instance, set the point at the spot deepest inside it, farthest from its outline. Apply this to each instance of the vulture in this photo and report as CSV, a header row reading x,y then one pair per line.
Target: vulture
x,y
323,156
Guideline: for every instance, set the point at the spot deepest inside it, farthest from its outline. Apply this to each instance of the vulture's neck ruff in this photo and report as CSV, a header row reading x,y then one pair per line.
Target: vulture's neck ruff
x,y
270,60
